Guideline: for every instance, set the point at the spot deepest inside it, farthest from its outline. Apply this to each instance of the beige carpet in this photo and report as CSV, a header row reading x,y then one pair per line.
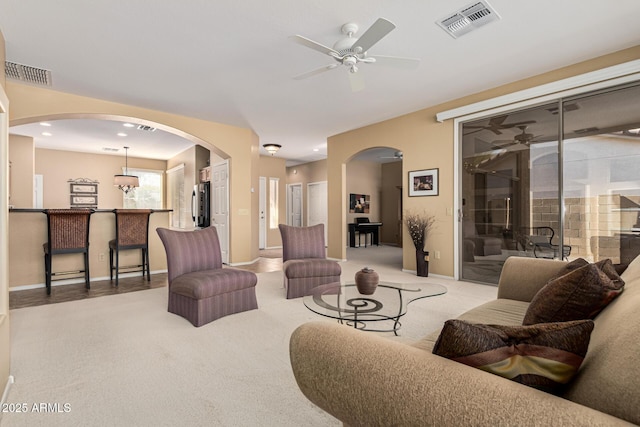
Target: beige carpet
x,y
123,360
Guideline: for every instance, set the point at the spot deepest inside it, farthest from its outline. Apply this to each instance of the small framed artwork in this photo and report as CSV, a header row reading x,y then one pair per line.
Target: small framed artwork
x,y
359,203
423,182
82,201
83,188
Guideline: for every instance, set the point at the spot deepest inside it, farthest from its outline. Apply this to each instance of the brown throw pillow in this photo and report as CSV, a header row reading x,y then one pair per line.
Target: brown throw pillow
x,y
579,294
610,270
545,356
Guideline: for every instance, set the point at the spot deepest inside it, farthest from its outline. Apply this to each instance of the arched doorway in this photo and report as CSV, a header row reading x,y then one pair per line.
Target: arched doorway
x,y
374,191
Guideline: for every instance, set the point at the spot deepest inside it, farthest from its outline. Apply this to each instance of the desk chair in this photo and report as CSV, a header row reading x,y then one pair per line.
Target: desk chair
x,y
132,232
67,233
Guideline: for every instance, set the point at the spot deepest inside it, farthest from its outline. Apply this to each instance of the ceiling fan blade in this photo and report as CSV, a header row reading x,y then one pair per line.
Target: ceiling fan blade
x,y
396,61
357,82
314,45
497,121
314,72
374,34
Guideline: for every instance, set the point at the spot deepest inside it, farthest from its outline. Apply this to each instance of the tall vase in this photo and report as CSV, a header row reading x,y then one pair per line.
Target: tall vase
x,y
422,263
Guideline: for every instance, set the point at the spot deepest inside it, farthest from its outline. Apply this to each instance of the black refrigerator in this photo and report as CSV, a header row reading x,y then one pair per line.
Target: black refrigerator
x,y
201,205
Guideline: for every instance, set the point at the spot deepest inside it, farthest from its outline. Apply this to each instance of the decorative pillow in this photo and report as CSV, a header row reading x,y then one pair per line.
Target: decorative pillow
x,y
545,356
610,270
579,294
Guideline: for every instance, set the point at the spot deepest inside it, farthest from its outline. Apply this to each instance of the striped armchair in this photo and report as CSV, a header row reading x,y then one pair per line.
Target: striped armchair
x,y
200,289
304,260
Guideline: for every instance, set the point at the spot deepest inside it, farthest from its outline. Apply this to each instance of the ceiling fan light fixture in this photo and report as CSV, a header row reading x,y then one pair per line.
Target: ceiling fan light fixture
x,y
272,148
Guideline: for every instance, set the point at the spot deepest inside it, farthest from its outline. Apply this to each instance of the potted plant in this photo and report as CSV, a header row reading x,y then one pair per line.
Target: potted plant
x,y
419,224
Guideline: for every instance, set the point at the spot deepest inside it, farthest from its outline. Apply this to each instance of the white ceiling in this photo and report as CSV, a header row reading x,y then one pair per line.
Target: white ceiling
x,y
232,61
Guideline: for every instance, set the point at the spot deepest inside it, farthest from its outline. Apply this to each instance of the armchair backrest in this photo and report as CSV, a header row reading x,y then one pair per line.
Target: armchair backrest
x,y
302,242
189,251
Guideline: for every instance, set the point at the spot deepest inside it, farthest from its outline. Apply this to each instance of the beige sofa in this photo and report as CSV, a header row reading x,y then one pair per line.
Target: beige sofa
x,y
365,379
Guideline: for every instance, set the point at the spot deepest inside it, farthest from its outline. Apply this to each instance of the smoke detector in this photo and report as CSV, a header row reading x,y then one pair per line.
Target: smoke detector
x,y
468,18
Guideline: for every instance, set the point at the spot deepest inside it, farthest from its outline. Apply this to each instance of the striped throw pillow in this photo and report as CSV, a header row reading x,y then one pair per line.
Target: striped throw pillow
x,y
545,355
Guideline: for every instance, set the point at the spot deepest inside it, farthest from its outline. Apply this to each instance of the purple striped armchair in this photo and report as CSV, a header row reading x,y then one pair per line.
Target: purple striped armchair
x,y
304,260
200,289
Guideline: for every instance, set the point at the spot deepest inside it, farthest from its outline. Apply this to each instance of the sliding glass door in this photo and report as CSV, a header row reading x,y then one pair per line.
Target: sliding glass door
x,y
601,180
559,180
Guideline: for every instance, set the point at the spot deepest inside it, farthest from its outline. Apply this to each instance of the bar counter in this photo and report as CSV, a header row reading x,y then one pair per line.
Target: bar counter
x,y
28,232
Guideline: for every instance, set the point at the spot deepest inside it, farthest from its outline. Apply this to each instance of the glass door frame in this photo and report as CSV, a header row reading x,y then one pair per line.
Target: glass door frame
x,y
567,89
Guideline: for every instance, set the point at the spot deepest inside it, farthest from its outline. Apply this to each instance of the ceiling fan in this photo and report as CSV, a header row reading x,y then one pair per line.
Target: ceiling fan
x,y
352,52
396,156
496,124
523,138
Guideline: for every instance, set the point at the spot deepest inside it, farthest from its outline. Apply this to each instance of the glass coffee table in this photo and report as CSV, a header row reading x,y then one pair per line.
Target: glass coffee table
x,y
387,304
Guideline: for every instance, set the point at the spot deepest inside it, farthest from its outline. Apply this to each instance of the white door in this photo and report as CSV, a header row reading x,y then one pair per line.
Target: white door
x,y
220,205
295,205
262,232
317,210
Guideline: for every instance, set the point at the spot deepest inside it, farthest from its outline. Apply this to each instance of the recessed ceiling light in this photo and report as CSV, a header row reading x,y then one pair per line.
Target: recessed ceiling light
x,y
47,134
45,124
122,134
316,149
129,125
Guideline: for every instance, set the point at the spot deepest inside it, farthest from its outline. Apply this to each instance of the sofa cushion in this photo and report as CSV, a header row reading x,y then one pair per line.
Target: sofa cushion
x,y
545,356
579,294
311,267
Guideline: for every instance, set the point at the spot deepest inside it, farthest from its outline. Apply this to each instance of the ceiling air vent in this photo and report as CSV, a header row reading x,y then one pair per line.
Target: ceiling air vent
x,y
468,18
110,149
26,73
146,128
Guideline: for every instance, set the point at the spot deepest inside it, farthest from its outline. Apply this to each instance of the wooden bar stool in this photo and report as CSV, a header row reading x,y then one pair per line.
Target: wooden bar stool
x,y
67,233
132,232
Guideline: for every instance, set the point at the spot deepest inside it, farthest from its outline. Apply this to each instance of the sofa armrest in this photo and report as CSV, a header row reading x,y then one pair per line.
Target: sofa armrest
x,y
368,380
521,277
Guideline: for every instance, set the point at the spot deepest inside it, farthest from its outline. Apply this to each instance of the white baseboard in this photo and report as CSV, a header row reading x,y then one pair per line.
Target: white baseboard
x,y
440,276
7,386
235,264
77,280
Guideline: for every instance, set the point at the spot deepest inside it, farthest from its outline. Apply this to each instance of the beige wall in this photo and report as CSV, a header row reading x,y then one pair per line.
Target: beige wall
x,y
22,157
364,177
57,167
30,104
427,144
274,167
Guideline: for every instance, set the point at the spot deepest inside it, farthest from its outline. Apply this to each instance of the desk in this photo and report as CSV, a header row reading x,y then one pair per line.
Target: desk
x,y
365,227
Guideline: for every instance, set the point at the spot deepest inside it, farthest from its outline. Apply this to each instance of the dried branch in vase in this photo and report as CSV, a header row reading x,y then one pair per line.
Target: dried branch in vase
x,y
419,225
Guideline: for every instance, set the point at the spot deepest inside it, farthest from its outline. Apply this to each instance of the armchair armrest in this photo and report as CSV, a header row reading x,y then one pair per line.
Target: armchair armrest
x,y
364,379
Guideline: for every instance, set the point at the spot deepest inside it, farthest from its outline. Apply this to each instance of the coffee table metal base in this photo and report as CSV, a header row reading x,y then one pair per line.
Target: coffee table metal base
x,y
388,303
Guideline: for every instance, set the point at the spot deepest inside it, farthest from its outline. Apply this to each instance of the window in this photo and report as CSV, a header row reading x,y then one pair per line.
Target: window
x,y
273,203
149,194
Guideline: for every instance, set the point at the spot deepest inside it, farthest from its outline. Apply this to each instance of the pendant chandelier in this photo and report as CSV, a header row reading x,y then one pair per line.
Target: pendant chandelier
x,y
126,182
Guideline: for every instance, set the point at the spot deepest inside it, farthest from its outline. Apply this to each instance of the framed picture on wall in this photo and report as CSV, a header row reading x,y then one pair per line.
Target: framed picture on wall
x,y
423,182
359,203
